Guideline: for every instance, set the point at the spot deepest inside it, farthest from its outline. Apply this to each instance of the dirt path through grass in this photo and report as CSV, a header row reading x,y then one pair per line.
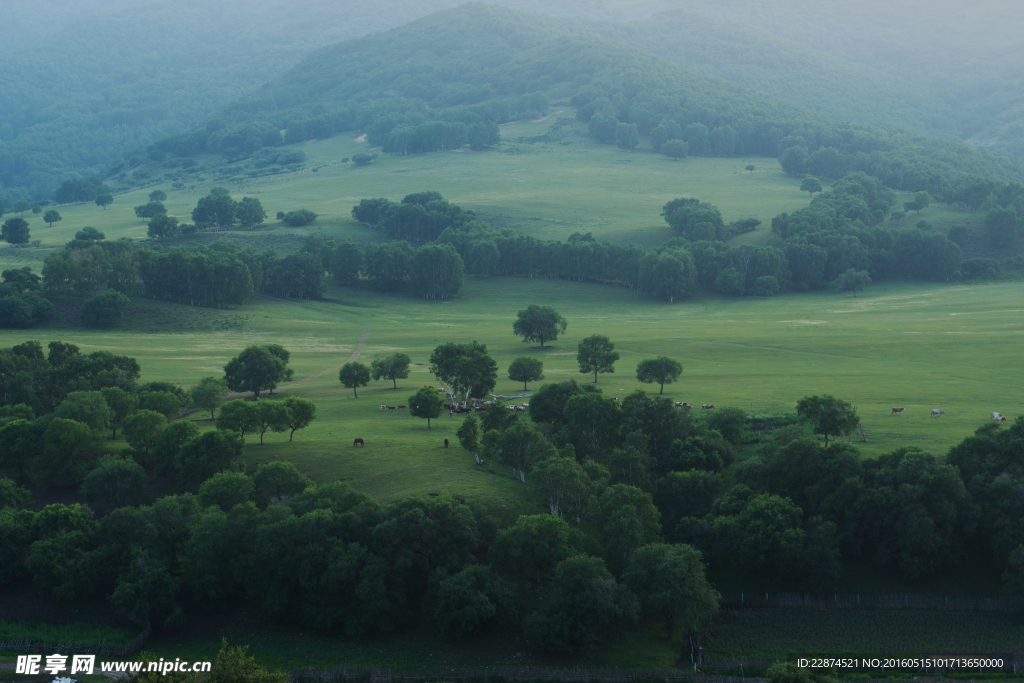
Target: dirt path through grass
x,y
360,345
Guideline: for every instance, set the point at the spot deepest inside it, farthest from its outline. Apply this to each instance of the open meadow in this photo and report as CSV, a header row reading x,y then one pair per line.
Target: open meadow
x,y
918,346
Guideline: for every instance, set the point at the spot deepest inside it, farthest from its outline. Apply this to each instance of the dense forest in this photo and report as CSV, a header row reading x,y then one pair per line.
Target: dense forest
x,y
640,518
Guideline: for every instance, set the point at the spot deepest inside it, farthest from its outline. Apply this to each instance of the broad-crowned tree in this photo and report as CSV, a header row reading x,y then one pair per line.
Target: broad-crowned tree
x,y
354,375
525,369
539,324
466,369
426,403
828,414
209,393
115,482
661,370
142,429
122,404
394,367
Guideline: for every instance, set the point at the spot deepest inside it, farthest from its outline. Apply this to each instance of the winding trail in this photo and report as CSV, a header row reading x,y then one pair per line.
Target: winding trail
x,y
360,345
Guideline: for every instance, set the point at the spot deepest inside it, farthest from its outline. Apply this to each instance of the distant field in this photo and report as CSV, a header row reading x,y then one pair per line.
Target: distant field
x,y
548,190
912,345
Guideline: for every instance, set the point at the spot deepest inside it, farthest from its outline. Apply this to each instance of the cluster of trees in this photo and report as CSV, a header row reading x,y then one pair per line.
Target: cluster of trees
x,y
221,274
21,301
436,136
57,407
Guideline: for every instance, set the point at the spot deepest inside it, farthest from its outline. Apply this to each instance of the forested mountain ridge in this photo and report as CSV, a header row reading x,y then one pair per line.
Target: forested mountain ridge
x,y
478,62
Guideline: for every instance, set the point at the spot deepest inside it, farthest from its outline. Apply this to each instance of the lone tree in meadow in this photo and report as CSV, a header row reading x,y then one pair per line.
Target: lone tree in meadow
x,y
595,354
539,324
661,370
749,167
828,415
852,280
354,375
525,369
104,200
393,367
810,185
157,196
426,403
52,217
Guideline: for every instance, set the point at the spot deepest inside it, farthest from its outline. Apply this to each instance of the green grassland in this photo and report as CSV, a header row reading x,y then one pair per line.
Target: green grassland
x,y
954,347
546,189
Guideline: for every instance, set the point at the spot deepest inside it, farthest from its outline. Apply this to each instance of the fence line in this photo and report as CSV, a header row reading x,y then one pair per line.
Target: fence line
x,y
77,647
888,601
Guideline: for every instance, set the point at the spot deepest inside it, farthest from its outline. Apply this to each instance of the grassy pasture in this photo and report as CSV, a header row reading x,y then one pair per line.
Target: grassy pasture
x,y
954,347
546,189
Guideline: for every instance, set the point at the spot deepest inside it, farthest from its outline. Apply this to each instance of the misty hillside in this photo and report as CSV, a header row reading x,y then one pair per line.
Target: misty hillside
x,y
83,83
481,63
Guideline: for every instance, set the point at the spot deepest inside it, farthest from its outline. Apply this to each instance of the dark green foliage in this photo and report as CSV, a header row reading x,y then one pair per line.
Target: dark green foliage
x,y
436,271
362,159
15,231
168,445
300,412
104,310
685,494
162,226
68,450
347,263
595,354
142,431
89,233
258,369
810,185
217,209
525,369
670,583
470,601
208,394
13,496
21,304
88,407
729,422
483,134
661,371
239,416
532,547
60,562
212,452
51,217
226,490
298,218
15,537
466,369
539,324
828,415
393,367
354,375
426,403
630,520
115,482
677,149
852,280
276,481
586,608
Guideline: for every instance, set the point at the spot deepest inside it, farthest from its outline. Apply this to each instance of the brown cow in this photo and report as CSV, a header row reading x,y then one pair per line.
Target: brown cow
x,y
358,442
707,406
897,411
446,443
401,407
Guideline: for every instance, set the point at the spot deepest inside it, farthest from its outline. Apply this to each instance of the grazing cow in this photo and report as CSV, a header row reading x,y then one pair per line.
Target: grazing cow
x,y
679,404
996,417
687,405
383,407
707,406
480,409
525,405
358,442
401,407
391,409
897,411
936,411
446,443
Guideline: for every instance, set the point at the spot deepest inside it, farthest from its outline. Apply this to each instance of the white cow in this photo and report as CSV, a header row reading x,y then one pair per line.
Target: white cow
x,y
936,411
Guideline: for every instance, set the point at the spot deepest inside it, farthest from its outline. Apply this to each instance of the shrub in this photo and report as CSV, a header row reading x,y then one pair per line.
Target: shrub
x,y
104,310
298,218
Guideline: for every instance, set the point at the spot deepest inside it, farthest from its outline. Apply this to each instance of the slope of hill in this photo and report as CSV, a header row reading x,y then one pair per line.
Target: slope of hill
x,y
480,62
